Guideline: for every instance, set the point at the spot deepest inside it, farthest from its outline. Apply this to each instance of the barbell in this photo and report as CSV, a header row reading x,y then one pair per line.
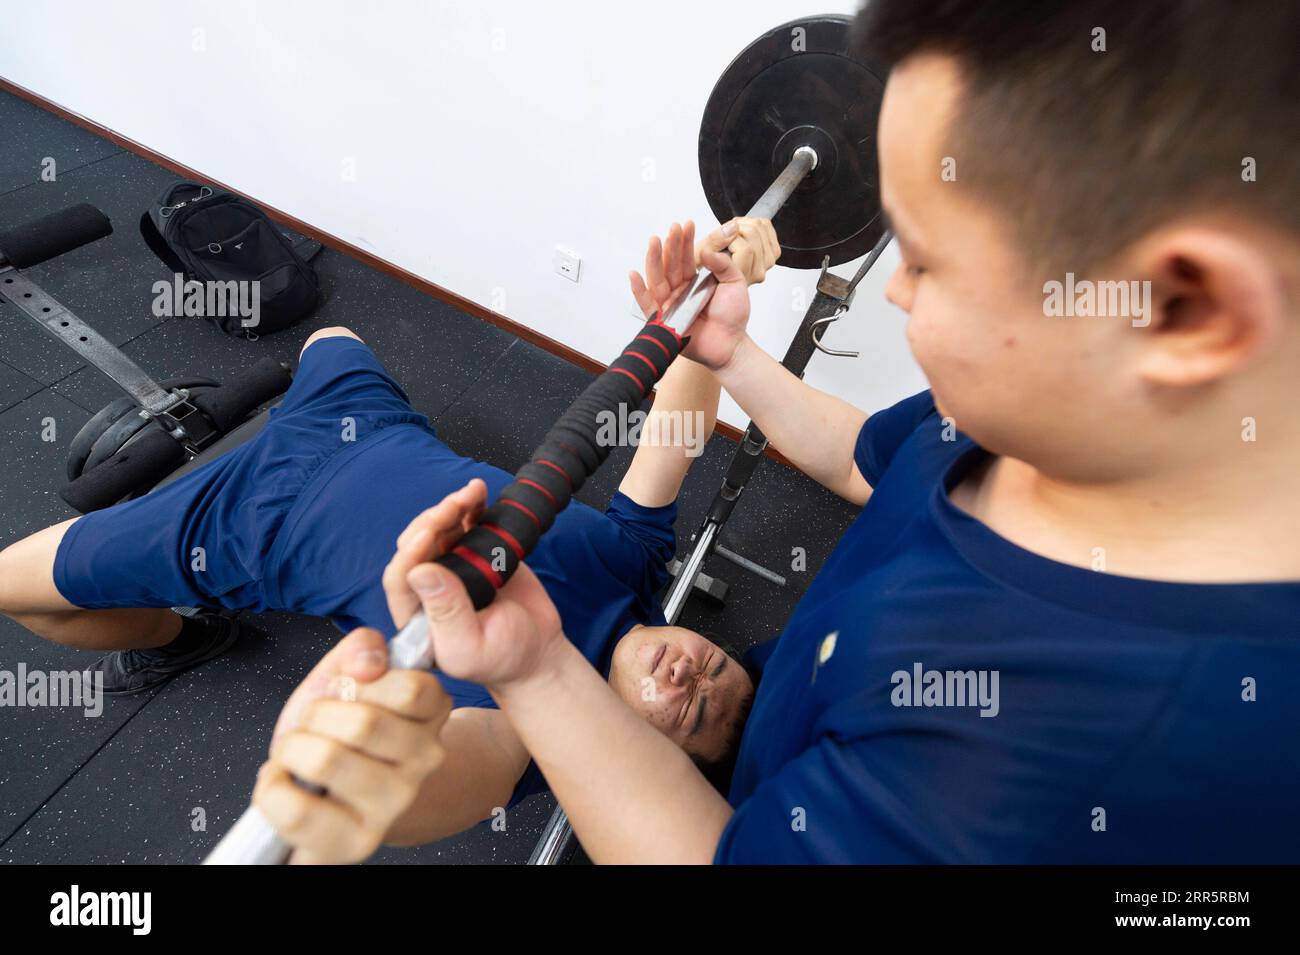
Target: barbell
x,y
788,134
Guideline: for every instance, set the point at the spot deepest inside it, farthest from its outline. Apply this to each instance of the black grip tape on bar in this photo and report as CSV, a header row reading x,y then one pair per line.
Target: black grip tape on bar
x,y
486,557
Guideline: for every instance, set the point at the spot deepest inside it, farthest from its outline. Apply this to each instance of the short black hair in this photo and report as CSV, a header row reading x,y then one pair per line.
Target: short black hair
x,y
718,770
1088,150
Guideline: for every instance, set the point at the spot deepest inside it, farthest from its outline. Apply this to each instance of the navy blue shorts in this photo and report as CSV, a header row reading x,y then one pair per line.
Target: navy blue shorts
x,y
206,539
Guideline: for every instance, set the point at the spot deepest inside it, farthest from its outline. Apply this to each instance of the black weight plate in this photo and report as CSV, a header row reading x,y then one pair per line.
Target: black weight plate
x,y
799,84
114,437
84,440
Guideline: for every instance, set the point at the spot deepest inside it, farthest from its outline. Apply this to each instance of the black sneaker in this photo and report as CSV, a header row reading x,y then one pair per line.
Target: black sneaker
x,y
126,672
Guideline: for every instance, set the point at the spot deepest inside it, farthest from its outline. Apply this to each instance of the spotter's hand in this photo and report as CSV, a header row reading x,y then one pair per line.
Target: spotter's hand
x,y
507,640
670,270
367,735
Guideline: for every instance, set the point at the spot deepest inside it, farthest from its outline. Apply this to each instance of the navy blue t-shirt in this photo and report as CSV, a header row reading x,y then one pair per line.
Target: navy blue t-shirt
x,y
1131,720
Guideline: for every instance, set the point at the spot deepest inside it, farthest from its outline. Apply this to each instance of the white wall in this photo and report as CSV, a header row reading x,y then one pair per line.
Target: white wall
x,y
460,140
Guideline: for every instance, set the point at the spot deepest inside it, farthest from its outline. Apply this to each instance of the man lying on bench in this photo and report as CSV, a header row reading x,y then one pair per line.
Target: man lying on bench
x,y
304,517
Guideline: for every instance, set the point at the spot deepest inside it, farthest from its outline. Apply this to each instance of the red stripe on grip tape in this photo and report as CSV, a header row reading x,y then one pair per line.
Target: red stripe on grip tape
x,y
671,331
479,564
549,496
506,536
662,347
648,363
624,371
520,507
555,467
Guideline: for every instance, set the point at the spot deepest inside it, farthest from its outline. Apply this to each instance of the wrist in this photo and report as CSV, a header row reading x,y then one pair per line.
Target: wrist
x,y
734,365
554,661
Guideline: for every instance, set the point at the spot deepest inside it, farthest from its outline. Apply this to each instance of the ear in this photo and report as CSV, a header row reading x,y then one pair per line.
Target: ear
x,y
1218,300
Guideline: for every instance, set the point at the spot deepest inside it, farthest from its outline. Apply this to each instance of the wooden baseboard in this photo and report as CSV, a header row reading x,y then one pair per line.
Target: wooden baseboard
x,y
544,342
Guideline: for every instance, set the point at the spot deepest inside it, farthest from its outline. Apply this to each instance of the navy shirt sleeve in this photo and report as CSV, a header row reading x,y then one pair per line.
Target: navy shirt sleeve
x,y
885,431
464,693
653,538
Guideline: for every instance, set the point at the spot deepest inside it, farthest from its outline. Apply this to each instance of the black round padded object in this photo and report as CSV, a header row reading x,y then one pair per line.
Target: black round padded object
x,y
228,406
142,465
34,242
799,84
116,424
92,430
126,429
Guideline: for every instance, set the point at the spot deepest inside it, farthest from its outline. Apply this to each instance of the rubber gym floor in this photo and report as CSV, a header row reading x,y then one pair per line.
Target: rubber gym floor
x,y
132,784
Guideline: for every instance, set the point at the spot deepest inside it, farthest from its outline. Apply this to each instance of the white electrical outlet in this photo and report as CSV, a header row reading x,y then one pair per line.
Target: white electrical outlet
x,y
567,263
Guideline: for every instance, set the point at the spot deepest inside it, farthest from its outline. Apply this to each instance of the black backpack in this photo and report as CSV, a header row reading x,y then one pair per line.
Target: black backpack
x,y
211,235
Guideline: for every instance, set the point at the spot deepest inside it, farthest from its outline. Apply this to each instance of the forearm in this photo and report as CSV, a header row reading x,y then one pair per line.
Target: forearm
x,y
483,763
631,794
680,422
815,431
688,388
